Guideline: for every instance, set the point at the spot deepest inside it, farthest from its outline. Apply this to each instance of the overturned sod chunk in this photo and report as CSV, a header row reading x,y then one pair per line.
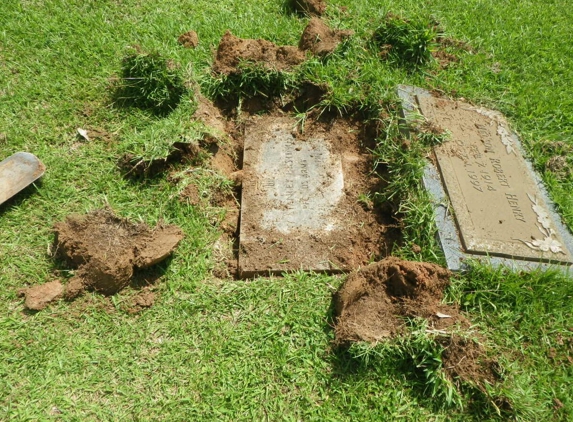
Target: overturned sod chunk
x,y
318,38
373,302
106,249
233,50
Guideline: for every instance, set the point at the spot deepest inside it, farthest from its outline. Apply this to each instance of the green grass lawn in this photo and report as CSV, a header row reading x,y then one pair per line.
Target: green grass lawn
x,y
261,349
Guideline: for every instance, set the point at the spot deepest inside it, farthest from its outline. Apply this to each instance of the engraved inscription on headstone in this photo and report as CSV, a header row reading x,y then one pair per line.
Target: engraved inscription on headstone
x,y
301,183
497,203
290,208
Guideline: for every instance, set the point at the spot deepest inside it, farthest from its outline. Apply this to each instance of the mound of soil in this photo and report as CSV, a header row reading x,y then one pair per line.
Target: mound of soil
x,y
188,39
318,38
232,50
107,249
371,304
312,7
375,301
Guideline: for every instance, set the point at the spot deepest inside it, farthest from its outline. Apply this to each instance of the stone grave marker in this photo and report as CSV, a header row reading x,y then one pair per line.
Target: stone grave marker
x,y
293,209
488,200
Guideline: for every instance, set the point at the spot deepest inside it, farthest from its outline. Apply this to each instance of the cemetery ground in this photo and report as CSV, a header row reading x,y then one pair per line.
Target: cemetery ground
x,y
186,338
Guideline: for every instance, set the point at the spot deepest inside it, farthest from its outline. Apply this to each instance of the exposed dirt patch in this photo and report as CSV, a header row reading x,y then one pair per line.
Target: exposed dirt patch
x,y
317,38
446,42
312,7
211,117
40,296
188,39
321,40
232,50
106,250
191,195
466,360
444,59
559,166
376,301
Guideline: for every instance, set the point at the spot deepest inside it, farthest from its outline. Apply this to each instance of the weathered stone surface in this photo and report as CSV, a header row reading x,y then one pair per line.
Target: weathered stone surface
x,y
291,193
500,207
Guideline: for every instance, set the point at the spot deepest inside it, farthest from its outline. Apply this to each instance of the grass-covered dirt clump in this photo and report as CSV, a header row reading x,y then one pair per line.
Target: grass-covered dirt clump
x,y
405,41
149,81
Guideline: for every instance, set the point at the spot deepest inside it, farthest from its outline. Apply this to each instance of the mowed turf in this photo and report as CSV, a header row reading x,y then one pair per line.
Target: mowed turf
x,y
261,349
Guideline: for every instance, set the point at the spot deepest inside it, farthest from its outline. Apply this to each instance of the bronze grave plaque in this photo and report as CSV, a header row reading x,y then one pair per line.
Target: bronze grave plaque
x,y
498,206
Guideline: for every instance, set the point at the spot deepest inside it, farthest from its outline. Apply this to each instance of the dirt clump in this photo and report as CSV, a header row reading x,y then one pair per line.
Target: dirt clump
x,y
142,300
40,296
188,39
232,50
321,40
312,7
374,300
106,249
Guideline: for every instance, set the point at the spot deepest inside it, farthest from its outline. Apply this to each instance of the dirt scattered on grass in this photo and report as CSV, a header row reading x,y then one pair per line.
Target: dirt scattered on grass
x,y
375,302
446,42
559,166
321,40
444,59
232,50
143,300
191,195
312,7
40,296
188,39
106,250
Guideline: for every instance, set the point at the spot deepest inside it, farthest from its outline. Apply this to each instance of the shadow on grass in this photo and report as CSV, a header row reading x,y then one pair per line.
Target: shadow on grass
x,y
21,197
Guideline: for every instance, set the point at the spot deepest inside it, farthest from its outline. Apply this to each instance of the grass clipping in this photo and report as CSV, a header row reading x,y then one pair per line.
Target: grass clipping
x,y
381,303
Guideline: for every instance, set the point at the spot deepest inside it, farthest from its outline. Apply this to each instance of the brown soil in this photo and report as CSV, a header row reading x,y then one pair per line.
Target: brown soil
x,y
444,59
106,250
188,39
144,299
232,50
312,7
372,303
40,296
559,166
191,195
318,38
211,117
375,302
